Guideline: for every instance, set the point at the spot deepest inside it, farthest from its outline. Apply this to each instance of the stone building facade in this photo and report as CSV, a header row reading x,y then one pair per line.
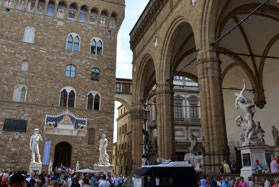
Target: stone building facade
x,y
58,61
123,161
186,38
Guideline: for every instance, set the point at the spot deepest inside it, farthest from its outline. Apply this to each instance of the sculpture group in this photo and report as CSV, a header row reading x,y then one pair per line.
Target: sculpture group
x,y
252,134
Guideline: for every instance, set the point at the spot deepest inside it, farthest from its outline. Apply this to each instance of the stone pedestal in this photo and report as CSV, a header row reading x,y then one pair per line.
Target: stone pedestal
x,y
35,167
196,161
104,168
249,155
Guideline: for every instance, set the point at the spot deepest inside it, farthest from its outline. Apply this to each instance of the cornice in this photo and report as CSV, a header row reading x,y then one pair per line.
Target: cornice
x,y
146,19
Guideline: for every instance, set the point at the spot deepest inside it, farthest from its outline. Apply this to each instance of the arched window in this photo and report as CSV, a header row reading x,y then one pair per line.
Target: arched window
x,y
73,42
31,5
9,3
113,20
90,101
61,9
20,92
93,101
24,66
71,100
99,48
41,6
83,13
63,98
72,11
67,97
29,35
97,102
20,4
95,73
93,47
104,16
93,15
50,8
70,71
76,44
70,43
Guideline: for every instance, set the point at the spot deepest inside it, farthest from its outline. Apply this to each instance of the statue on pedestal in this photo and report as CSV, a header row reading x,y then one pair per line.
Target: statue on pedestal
x,y
34,145
251,135
77,166
103,155
275,135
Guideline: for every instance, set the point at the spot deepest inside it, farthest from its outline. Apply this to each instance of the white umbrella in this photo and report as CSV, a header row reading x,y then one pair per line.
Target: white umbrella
x,y
87,171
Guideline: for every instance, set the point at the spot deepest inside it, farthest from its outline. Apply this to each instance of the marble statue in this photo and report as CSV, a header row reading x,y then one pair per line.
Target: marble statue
x,y
34,145
103,155
194,142
275,135
251,135
50,167
77,166
260,133
145,139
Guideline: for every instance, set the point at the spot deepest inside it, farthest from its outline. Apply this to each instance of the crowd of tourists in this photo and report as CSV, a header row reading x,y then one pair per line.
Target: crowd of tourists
x,y
224,181
59,179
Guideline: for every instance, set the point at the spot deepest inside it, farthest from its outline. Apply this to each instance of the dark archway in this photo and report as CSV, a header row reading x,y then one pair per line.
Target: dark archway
x,y
62,154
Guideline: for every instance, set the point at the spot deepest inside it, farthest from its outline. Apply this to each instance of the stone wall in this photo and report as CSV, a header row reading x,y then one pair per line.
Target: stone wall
x,y
47,59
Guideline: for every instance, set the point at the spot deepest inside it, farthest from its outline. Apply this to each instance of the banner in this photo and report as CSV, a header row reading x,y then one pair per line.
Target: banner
x,y
46,152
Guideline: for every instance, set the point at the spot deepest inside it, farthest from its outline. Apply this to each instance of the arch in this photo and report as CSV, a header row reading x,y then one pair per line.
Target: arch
x,y
61,10
104,16
113,20
62,154
51,8
167,68
83,13
94,15
41,6
72,11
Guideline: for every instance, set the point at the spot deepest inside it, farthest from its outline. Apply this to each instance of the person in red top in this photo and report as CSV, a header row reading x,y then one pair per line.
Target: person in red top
x,y
5,179
276,181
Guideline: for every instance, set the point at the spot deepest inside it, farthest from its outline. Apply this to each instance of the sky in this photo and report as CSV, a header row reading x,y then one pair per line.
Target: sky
x,y
124,58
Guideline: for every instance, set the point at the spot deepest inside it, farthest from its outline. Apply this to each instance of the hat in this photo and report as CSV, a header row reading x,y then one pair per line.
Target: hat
x,y
257,160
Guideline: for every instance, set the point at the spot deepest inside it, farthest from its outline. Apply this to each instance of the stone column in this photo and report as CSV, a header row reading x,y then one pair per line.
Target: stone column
x,y
212,110
137,120
165,127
